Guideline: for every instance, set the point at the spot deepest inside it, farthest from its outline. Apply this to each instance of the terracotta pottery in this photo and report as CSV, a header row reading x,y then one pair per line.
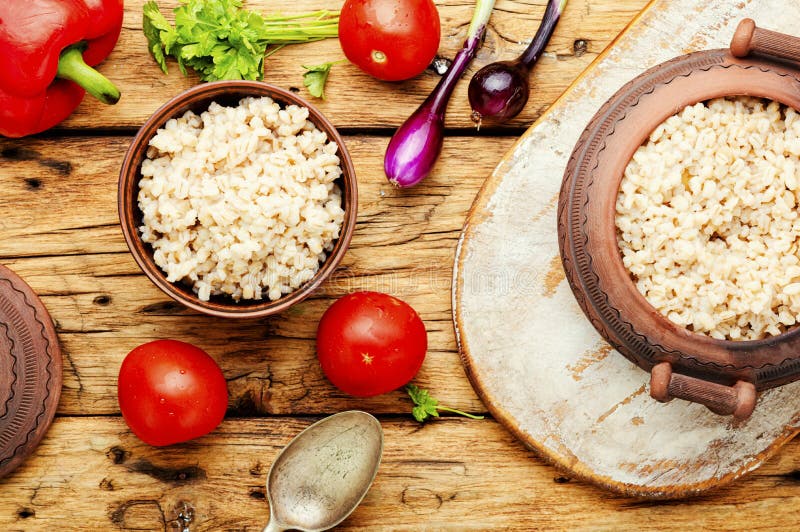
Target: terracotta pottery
x,y
198,99
30,371
723,375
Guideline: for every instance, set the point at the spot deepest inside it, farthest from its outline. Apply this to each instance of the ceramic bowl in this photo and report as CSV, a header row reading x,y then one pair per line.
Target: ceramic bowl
x,y
723,375
198,99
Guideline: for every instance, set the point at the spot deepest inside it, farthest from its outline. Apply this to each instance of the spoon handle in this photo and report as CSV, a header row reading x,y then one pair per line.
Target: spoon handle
x,y
273,526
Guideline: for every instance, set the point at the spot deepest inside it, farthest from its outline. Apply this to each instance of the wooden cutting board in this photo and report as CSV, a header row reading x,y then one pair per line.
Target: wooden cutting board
x,y
528,350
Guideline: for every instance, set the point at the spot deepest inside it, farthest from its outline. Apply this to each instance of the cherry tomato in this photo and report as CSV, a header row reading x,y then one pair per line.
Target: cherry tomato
x,y
170,392
370,343
389,39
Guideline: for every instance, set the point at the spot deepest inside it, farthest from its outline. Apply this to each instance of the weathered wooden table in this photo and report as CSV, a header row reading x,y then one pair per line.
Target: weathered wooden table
x,y
59,231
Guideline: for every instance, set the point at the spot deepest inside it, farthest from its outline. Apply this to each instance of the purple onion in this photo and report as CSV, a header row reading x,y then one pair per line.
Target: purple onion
x,y
500,90
416,145
414,148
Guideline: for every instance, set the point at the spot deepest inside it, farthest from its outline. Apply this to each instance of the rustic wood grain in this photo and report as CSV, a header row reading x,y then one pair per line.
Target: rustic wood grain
x,y
580,406
68,245
584,30
92,474
59,230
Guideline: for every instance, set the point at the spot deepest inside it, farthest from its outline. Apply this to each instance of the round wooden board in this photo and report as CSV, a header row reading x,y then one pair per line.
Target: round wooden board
x,y
30,371
530,353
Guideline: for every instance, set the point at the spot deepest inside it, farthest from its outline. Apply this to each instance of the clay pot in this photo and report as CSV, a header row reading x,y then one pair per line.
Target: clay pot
x,y
723,375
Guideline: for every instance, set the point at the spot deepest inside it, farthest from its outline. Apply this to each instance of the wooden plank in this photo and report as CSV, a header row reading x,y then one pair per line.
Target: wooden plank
x,y
574,399
67,245
583,32
91,474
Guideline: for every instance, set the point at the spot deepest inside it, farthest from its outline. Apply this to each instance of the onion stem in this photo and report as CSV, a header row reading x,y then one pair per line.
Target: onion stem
x,y
535,49
444,89
477,26
480,17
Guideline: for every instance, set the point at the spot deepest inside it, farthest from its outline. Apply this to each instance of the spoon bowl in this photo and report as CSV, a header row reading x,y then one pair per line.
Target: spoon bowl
x,y
322,475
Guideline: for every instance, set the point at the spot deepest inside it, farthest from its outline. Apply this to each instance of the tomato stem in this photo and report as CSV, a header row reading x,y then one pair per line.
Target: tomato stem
x,y
378,56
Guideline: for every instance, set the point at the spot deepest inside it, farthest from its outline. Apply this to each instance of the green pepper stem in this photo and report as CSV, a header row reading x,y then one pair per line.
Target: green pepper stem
x,y
72,67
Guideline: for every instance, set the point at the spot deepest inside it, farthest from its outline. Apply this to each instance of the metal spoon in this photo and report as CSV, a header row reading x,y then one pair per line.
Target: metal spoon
x,y
320,477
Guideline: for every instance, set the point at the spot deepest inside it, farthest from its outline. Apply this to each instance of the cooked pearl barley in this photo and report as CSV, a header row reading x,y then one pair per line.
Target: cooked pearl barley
x,y
707,221
241,200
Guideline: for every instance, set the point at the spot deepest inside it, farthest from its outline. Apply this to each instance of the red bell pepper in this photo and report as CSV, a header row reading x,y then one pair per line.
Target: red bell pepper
x,y
47,49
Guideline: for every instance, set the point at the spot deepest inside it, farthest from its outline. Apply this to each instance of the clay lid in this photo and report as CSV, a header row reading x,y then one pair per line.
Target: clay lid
x,y
30,371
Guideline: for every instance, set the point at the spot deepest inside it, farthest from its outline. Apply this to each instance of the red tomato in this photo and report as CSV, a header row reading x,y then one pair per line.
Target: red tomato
x,y
389,39
370,343
170,392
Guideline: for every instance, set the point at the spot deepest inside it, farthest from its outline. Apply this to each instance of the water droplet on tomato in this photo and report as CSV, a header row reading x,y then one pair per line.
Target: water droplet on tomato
x,y
162,400
183,372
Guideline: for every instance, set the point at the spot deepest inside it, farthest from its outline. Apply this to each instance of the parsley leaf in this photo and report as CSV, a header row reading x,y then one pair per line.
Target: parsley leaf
x,y
158,31
426,406
221,40
315,78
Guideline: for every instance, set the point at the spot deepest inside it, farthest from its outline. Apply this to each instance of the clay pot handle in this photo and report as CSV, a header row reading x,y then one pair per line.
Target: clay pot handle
x,y
738,400
750,39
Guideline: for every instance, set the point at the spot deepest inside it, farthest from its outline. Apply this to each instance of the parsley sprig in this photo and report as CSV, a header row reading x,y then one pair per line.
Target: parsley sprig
x,y
426,406
315,77
221,40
